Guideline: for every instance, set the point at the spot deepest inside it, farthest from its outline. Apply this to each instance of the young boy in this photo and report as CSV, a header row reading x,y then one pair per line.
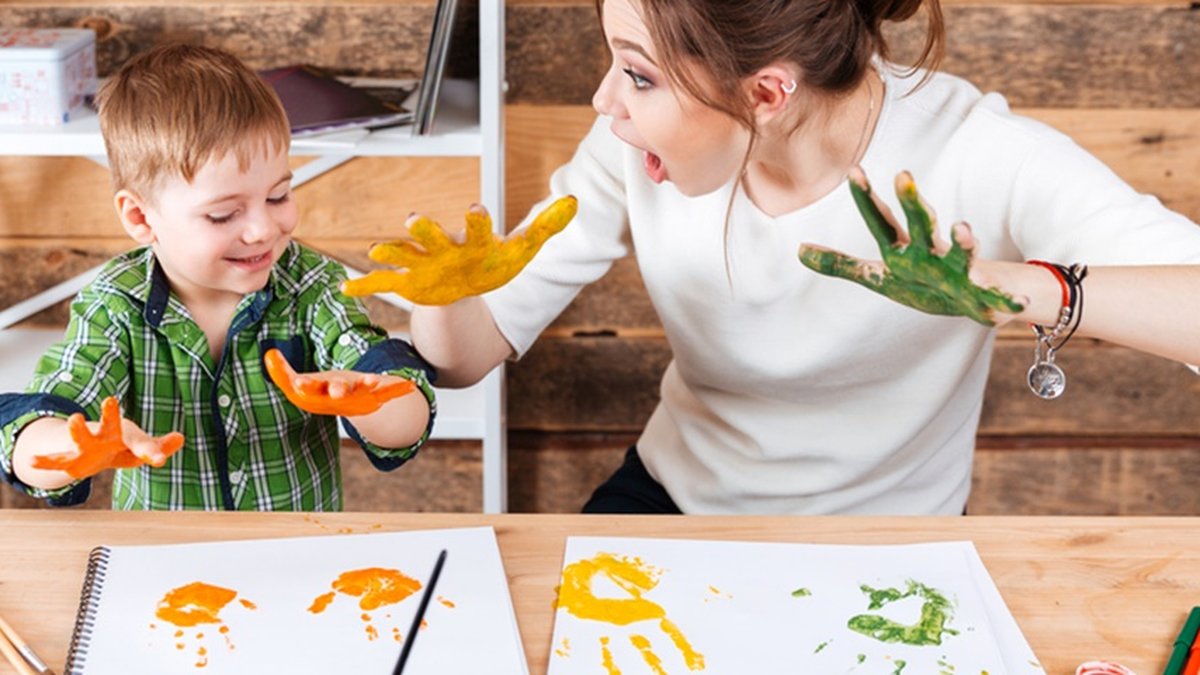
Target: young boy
x,y
177,330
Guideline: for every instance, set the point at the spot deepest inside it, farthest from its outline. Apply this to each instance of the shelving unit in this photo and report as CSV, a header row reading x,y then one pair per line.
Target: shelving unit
x,y
470,123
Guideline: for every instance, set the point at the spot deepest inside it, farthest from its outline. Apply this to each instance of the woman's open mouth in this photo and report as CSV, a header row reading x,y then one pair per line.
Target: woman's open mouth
x,y
654,166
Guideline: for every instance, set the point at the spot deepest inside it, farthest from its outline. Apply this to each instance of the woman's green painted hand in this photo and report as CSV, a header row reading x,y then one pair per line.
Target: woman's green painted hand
x,y
918,268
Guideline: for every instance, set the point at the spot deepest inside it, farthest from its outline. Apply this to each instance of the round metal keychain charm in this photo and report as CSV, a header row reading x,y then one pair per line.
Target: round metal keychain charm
x,y
1047,380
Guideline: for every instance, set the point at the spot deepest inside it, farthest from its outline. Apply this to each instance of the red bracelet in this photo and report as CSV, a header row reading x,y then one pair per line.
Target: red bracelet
x,y
1066,293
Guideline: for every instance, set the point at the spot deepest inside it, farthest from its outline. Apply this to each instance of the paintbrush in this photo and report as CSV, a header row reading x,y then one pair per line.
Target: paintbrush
x,y
416,623
14,651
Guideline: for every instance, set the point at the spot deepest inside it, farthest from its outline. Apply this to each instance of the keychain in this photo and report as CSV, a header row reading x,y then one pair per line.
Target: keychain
x,y
1045,378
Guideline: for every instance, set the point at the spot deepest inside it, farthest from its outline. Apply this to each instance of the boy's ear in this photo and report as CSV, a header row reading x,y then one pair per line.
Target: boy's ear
x,y
131,209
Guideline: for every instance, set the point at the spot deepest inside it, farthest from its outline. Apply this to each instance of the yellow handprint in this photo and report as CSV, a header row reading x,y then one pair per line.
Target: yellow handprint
x,y
634,577
438,270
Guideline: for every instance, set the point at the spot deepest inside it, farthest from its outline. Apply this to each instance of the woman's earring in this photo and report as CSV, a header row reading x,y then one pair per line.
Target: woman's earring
x,y
789,88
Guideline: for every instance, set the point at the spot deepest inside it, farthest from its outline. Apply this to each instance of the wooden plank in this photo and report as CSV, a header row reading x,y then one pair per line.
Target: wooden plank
x,y
1111,391
1047,55
345,38
556,473
33,265
368,197
1112,54
1127,480
1071,55
568,383
444,476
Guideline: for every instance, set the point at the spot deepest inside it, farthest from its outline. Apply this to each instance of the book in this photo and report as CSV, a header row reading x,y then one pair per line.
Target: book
x,y
435,66
330,604
749,607
317,102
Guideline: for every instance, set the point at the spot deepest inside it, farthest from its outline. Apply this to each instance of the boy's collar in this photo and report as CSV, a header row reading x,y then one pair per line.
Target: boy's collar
x,y
155,292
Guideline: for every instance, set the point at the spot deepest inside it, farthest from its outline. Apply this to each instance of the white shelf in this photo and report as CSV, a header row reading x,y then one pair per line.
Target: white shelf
x,y
456,134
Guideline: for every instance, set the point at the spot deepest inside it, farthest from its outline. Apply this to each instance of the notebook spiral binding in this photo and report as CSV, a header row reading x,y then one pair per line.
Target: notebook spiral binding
x,y
89,604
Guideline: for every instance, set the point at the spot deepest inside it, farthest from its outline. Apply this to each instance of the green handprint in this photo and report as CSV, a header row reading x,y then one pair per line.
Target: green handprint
x,y
917,270
928,630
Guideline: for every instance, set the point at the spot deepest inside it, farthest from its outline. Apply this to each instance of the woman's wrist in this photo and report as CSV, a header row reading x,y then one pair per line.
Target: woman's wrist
x,y
1034,286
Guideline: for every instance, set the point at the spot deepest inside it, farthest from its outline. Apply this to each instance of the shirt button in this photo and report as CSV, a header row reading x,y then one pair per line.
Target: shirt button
x,y
235,476
65,377
345,340
223,400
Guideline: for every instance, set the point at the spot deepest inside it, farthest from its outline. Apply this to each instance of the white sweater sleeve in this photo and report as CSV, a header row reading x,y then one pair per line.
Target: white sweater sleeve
x,y
1068,207
581,253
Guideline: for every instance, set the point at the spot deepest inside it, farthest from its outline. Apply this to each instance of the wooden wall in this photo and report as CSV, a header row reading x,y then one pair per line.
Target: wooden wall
x,y
1121,76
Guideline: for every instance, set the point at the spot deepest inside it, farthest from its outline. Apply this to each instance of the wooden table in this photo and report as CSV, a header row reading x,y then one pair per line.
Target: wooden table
x,y
1080,588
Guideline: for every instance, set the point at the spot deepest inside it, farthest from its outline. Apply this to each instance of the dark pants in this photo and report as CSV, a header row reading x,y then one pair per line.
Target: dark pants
x,y
631,490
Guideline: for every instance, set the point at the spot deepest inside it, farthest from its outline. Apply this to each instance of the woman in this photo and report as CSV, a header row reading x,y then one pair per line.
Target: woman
x,y
727,132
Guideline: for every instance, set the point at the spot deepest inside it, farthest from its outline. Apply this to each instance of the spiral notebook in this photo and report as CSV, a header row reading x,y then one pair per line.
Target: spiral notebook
x,y
333,604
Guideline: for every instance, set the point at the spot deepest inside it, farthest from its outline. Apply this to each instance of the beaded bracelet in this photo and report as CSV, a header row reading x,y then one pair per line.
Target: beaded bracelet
x,y
1045,378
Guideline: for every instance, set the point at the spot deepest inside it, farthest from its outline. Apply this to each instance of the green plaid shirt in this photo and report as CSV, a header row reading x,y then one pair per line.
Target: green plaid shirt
x,y
247,447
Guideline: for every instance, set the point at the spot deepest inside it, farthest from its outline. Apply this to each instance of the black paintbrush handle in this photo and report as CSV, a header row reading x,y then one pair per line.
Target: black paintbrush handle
x,y
416,623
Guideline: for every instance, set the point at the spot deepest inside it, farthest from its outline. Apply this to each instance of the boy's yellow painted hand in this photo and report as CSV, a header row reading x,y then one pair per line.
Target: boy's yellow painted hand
x,y
116,444
439,270
335,392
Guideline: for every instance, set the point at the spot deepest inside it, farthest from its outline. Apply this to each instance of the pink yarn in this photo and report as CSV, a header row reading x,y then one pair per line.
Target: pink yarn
x,y
1102,668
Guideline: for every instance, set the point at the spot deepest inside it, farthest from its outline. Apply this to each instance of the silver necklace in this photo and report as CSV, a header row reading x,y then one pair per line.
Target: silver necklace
x,y
862,137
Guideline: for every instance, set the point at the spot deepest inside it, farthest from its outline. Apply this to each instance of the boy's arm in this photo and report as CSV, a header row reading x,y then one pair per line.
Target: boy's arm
x,y
74,376
44,436
402,422
27,423
345,339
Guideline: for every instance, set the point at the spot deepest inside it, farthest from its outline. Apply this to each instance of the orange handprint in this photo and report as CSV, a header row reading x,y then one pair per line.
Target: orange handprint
x,y
635,578
190,608
324,394
375,587
439,270
109,447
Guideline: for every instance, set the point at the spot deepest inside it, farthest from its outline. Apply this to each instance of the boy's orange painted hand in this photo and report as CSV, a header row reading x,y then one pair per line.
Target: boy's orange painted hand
x,y
336,392
439,270
116,444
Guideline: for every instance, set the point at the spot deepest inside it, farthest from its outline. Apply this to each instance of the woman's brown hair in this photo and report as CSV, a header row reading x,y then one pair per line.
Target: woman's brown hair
x,y
832,42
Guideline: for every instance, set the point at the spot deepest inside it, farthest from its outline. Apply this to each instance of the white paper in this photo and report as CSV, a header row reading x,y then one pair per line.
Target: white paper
x,y
786,608
470,625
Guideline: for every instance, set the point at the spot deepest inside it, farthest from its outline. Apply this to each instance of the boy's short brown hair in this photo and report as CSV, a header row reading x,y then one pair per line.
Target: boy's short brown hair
x,y
171,109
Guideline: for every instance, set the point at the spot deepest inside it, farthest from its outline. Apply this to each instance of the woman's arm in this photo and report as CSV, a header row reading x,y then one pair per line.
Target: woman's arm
x,y
460,340
1155,309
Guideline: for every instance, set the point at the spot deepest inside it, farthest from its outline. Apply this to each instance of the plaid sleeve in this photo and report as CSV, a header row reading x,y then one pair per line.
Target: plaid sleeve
x,y
75,375
345,339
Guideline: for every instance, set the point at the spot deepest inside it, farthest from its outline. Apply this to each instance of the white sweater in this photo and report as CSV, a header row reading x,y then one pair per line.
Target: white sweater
x,y
792,392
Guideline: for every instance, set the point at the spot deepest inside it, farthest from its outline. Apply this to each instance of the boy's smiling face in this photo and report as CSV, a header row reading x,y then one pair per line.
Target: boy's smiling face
x,y
218,236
